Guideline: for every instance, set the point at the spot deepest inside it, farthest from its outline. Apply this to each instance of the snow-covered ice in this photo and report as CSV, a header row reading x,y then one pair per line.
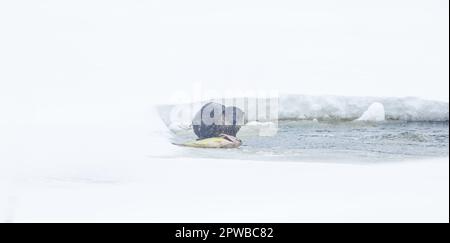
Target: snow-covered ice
x,y
122,173
196,190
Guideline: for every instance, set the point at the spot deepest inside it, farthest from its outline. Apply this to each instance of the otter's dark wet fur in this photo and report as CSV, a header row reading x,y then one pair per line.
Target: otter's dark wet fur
x,y
215,119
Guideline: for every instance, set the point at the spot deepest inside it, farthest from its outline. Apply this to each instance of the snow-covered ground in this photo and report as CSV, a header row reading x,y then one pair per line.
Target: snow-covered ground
x,y
188,190
102,173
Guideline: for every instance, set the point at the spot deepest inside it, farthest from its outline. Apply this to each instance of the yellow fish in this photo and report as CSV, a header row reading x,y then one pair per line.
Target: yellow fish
x,y
223,141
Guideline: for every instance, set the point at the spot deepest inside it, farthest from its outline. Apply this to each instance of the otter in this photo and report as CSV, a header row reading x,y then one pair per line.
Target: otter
x,y
214,120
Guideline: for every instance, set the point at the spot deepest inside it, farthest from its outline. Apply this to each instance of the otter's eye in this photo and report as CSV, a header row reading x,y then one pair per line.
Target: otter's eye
x,y
211,115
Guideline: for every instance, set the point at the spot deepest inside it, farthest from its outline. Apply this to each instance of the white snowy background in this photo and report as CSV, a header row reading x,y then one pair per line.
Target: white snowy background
x,y
79,140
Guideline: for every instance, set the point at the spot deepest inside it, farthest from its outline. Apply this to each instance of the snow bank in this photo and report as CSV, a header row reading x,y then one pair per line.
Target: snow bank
x,y
350,108
304,107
